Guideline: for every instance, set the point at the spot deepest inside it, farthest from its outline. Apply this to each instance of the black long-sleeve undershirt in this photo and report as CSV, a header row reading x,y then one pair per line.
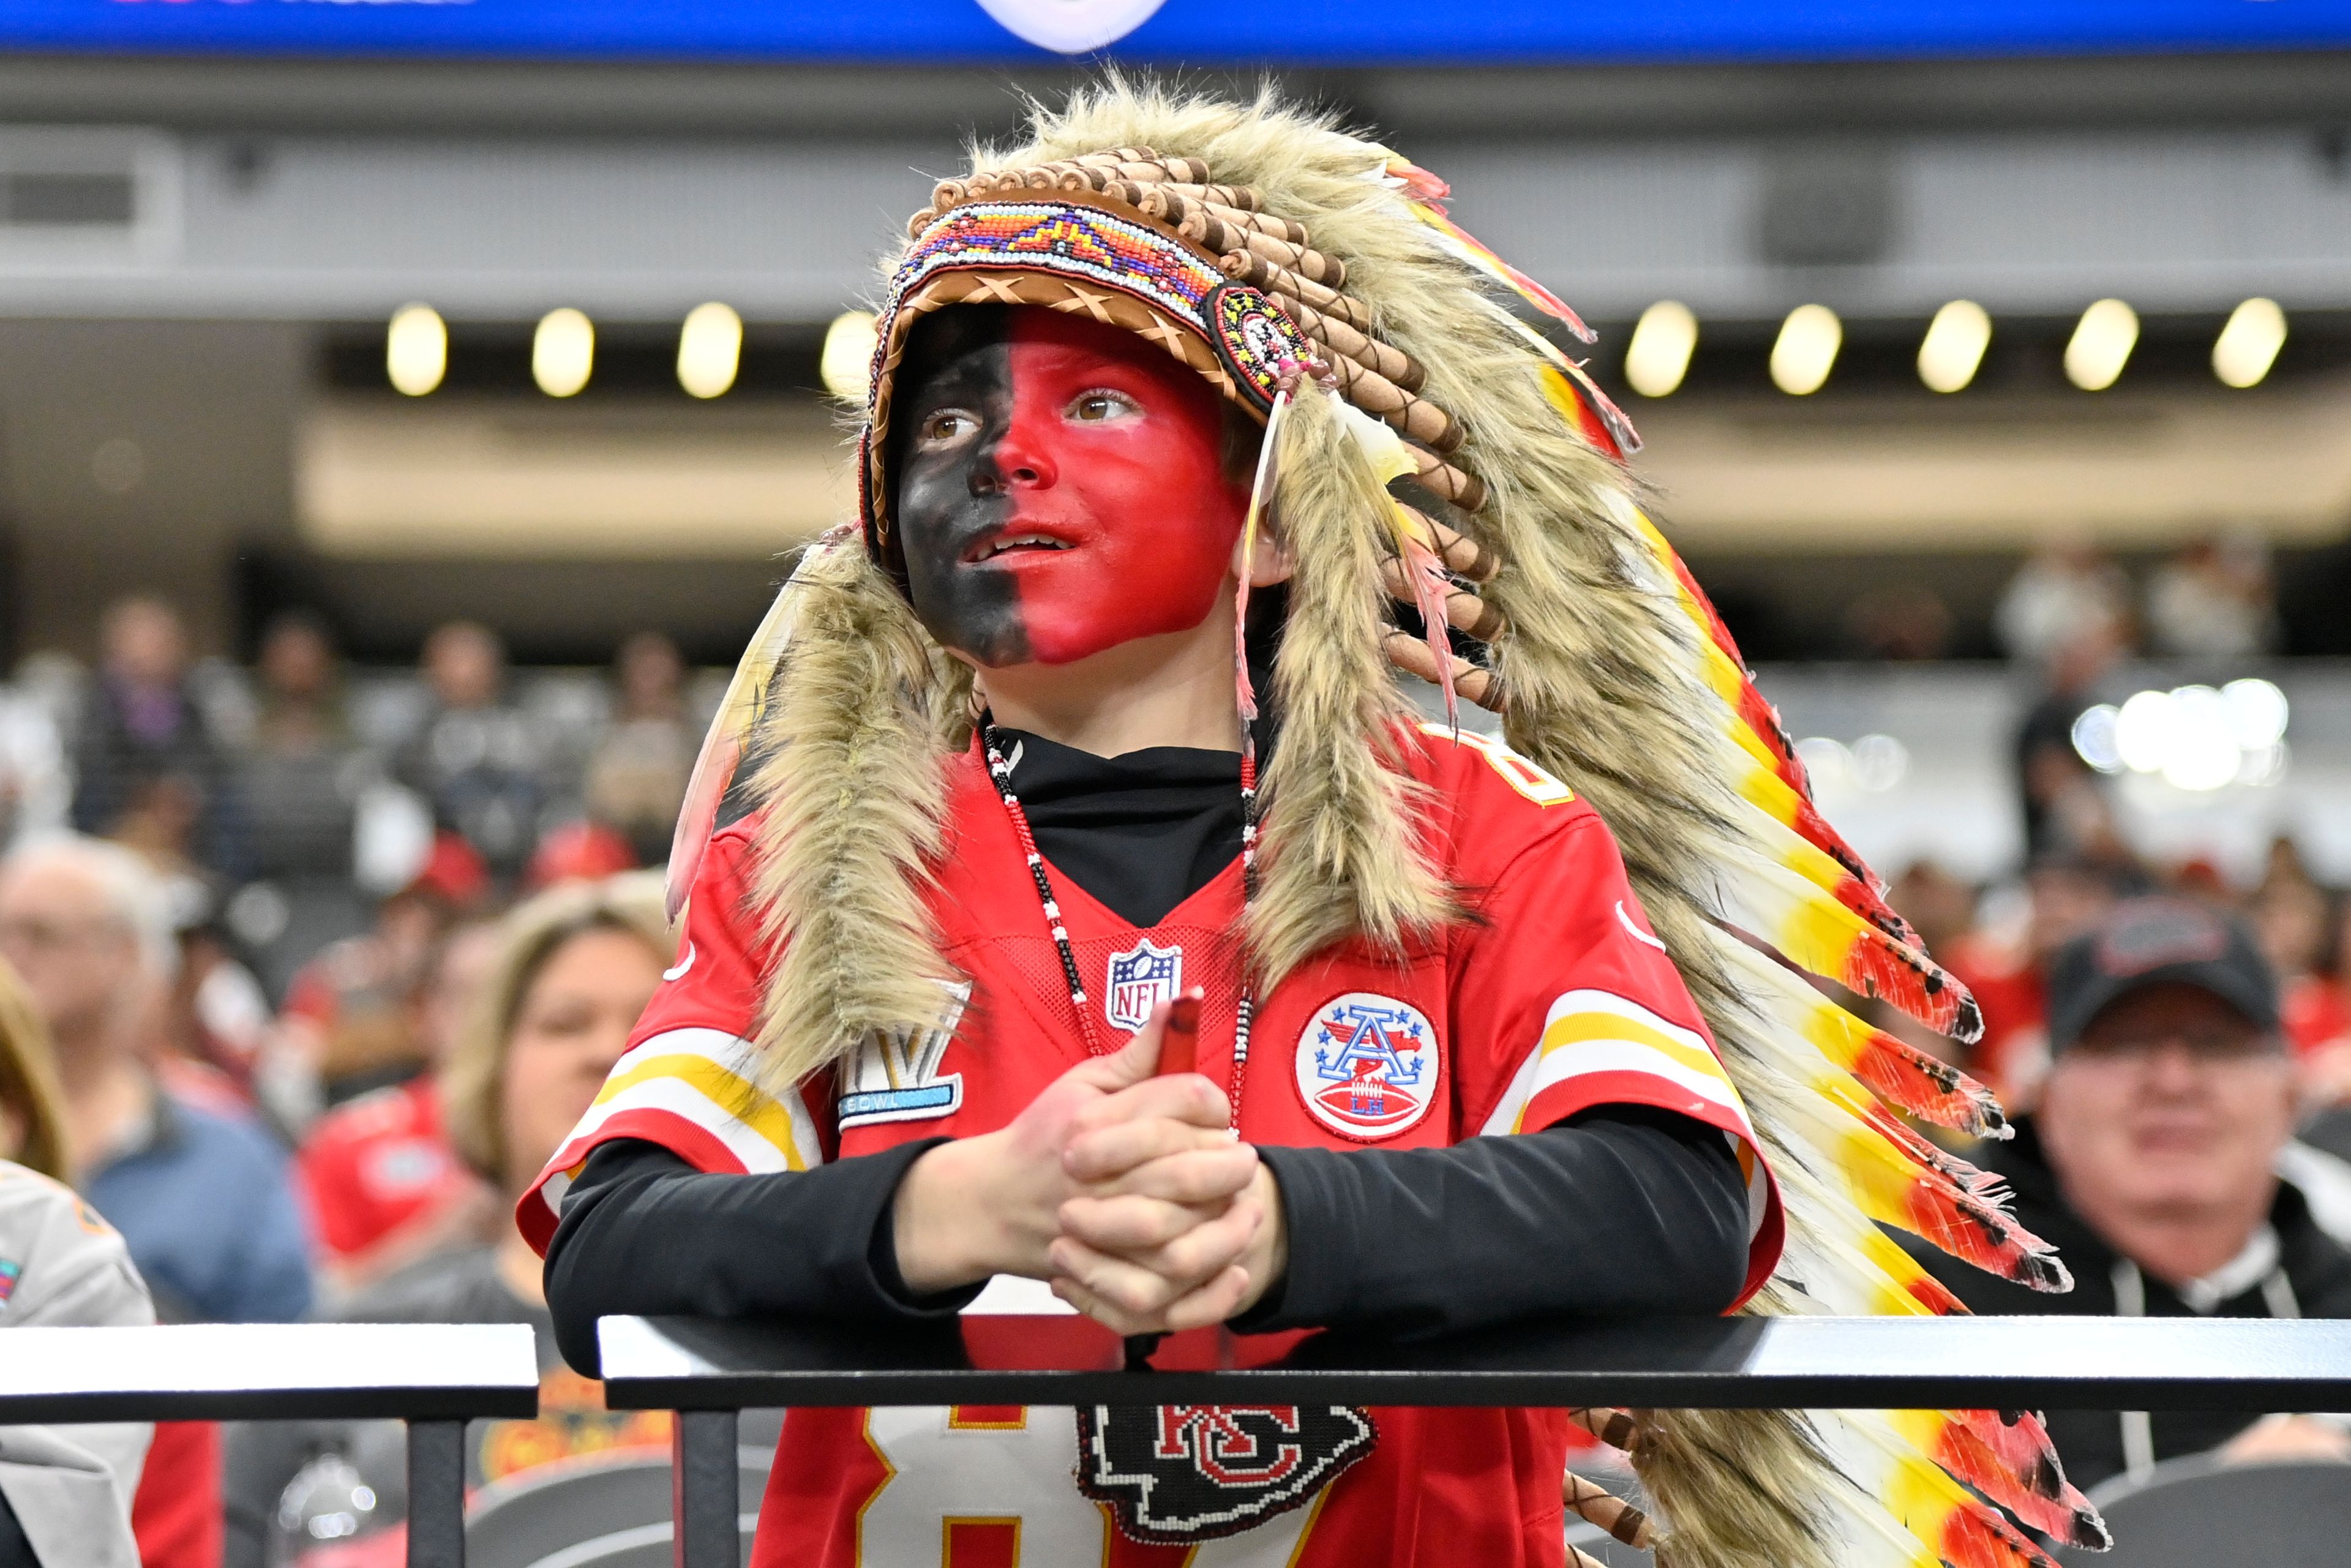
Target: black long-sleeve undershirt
x,y
1623,1208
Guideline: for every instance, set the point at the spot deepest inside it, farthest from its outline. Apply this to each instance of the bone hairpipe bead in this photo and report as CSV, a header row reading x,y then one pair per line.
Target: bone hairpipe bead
x,y
1462,488
1255,223
1310,264
1613,1426
1393,363
1463,556
1463,610
1416,417
1607,1510
948,193
1248,266
1241,198
1411,655
921,221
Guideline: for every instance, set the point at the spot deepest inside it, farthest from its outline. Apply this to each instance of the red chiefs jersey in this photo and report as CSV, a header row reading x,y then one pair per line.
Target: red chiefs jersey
x,y
1556,999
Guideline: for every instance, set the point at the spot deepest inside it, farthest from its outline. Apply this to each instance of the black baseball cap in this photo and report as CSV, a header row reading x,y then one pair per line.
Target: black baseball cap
x,y
2153,942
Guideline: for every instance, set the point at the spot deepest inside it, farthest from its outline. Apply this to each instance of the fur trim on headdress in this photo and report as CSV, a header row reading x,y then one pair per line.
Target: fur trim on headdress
x,y
853,790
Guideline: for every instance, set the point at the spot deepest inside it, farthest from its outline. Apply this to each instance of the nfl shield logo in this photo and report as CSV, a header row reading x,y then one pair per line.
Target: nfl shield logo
x,y
1140,979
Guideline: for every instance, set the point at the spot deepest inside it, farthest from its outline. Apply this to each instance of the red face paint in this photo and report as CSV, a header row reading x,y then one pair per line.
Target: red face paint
x,y
1060,488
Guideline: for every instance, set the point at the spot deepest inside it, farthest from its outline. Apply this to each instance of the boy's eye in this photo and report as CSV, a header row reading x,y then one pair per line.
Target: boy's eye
x,y
948,425
1095,406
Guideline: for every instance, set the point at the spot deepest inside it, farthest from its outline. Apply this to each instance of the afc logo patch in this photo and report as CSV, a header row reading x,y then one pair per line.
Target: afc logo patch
x,y
1140,979
1366,1065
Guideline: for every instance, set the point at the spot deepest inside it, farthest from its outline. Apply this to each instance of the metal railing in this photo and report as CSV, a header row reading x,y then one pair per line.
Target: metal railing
x,y
433,1376
707,1372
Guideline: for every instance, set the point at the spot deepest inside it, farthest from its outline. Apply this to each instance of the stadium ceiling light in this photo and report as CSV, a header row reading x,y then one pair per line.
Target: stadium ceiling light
x,y
1953,347
2101,345
847,363
1658,357
2248,346
416,350
1806,347
709,349
562,351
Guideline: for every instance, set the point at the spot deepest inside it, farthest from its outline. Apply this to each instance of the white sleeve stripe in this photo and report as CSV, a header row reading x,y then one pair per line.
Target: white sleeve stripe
x,y
731,1051
1589,1002
733,1054
1565,1061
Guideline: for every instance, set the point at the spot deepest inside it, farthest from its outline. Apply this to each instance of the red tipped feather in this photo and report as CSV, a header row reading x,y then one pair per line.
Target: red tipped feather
x,y
1974,1230
2014,1463
1926,1086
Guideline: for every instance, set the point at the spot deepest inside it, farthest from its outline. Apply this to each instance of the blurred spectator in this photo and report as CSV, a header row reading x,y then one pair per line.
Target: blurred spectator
x,y
637,778
201,1197
65,1491
144,763
1940,906
385,1186
2214,600
578,851
1906,622
303,772
349,1013
2061,795
2150,1164
574,969
216,1022
2063,590
477,759
35,791
2065,896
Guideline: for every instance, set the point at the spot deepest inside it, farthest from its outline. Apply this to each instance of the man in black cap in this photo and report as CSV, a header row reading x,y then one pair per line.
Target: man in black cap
x,y
2151,1164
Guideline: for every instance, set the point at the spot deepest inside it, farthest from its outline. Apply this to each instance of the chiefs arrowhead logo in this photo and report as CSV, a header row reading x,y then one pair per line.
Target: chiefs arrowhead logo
x,y
1174,1474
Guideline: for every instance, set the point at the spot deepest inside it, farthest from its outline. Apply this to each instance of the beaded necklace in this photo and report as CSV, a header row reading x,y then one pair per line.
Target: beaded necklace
x,y
1001,772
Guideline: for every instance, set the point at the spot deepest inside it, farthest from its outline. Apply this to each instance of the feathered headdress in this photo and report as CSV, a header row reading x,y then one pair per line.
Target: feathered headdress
x,y
1425,444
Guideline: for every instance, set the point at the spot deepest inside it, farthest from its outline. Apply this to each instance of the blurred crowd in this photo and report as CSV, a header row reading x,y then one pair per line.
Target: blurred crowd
x,y
2215,597
301,979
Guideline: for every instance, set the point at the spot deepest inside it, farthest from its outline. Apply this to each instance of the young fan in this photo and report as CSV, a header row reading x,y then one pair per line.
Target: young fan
x,y
1447,1065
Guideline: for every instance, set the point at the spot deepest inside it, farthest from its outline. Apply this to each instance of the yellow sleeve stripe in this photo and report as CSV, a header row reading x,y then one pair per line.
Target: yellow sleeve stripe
x,y
1576,1027
735,1097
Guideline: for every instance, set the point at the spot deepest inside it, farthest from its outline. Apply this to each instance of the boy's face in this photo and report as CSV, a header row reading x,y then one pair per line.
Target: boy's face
x,y
1060,487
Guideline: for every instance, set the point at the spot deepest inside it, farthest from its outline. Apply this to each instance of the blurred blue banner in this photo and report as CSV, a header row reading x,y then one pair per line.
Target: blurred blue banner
x,y
1301,32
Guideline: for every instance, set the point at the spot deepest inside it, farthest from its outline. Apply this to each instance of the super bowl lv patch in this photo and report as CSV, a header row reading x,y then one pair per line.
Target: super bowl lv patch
x,y
1174,1474
1366,1065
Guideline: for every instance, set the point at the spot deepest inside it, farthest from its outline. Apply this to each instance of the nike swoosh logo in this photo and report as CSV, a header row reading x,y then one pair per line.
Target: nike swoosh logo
x,y
1638,934
687,962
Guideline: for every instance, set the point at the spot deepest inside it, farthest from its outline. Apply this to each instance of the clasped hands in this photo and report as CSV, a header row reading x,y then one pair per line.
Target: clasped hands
x,y
1127,1192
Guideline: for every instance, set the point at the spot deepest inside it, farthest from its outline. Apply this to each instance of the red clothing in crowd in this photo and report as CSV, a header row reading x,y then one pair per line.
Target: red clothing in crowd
x,y
379,1164
2318,1012
2008,988
176,1514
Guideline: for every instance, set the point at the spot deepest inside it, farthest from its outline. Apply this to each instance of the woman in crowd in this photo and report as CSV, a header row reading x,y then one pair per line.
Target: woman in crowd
x,y
574,967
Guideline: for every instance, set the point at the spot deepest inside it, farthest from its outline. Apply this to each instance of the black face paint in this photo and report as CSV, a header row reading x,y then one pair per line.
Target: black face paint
x,y
944,501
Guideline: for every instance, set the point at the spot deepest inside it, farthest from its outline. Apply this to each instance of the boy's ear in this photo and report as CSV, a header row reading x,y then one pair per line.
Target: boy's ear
x,y
1273,563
